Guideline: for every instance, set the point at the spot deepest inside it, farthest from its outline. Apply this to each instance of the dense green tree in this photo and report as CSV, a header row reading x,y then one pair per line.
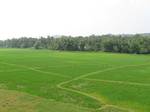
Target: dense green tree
x,y
37,45
139,44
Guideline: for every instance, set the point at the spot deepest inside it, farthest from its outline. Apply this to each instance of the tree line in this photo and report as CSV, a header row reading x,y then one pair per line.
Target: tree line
x,y
139,44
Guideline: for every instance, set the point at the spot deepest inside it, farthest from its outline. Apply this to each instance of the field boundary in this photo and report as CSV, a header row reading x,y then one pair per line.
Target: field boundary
x,y
118,82
33,69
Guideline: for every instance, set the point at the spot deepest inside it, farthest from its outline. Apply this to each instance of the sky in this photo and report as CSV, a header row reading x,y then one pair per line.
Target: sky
x,y
34,18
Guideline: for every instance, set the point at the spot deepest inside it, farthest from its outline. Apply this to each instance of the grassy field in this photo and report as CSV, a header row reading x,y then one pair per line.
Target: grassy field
x,y
54,81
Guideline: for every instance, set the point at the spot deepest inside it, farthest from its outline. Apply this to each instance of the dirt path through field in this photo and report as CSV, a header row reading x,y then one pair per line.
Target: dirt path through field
x,y
33,69
119,82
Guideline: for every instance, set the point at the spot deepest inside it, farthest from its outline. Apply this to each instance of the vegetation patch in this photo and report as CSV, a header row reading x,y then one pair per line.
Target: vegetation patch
x,y
55,81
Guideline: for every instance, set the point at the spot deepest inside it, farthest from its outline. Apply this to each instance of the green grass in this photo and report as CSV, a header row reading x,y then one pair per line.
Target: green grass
x,y
13,101
76,81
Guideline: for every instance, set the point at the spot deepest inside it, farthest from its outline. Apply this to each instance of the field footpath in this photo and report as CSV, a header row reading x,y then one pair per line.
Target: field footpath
x,y
34,69
118,82
103,105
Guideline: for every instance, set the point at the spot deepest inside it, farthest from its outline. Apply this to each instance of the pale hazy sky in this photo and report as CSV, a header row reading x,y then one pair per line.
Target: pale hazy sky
x,y
73,17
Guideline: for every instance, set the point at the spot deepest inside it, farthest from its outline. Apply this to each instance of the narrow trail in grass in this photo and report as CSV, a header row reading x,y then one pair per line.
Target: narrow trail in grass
x,y
106,106
61,85
33,69
118,82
